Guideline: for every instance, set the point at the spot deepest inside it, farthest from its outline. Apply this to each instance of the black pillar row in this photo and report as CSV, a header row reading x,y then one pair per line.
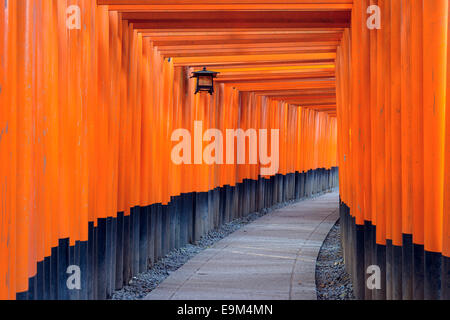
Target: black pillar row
x,y
120,247
407,272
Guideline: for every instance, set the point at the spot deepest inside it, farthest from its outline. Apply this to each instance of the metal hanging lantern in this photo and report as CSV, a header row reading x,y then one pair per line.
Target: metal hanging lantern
x,y
205,80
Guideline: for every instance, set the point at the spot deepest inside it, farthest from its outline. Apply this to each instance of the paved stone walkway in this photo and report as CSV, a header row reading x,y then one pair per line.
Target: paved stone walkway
x,y
272,258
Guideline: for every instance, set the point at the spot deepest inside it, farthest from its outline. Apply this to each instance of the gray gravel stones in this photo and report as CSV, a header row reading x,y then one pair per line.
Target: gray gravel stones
x,y
332,281
143,283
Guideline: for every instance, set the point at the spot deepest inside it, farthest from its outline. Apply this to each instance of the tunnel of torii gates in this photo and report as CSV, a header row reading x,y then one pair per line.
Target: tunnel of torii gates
x,y
89,99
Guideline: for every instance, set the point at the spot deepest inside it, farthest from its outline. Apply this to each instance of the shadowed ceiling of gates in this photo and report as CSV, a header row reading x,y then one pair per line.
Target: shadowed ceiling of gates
x,y
282,49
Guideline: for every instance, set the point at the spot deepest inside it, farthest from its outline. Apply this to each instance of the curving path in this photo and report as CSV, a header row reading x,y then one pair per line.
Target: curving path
x,y
273,258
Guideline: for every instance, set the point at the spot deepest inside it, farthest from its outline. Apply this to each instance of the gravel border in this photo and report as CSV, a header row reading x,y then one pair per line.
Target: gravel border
x,y
332,281
142,284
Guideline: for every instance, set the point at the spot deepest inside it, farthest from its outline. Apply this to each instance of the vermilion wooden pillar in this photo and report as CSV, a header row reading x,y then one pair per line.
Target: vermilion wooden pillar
x,y
417,147
406,151
388,146
379,151
435,24
365,133
445,294
396,148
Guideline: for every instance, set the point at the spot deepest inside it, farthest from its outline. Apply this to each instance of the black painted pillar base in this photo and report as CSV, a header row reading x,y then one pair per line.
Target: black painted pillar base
x,y
360,272
433,273
445,293
389,277
397,272
407,267
418,272
367,256
381,262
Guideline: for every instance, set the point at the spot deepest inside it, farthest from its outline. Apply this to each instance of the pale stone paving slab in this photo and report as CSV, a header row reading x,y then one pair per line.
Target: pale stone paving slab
x,y
272,258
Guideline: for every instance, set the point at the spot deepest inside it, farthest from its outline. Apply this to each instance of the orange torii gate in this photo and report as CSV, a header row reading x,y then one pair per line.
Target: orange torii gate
x,y
87,114
393,148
